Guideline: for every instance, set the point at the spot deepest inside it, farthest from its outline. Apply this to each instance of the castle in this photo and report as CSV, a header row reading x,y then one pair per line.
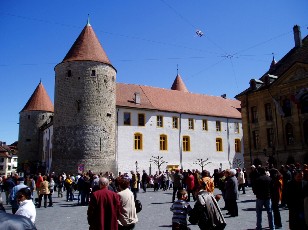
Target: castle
x,y
100,125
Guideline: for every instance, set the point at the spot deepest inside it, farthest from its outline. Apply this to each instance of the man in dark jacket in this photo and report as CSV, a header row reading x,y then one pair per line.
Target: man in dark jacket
x,y
177,183
144,180
262,189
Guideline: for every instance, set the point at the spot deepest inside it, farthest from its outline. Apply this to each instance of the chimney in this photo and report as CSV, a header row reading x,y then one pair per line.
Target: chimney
x,y
137,98
297,36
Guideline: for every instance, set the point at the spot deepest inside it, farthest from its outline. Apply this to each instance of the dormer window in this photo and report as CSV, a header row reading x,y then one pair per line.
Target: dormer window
x,y
93,73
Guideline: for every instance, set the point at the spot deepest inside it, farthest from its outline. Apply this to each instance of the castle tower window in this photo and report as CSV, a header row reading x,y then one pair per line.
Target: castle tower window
x,y
218,126
186,143
175,122
138,141
190,123
28,117
204,125
69,73
159,121
237,145
93,73
163,142
219,144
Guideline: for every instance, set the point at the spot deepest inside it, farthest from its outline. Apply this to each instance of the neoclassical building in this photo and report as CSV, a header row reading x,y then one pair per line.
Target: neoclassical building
x,y
101,125
275,109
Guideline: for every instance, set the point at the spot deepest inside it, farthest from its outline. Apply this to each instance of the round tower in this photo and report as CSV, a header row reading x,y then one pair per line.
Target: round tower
x,y
36,112
85,108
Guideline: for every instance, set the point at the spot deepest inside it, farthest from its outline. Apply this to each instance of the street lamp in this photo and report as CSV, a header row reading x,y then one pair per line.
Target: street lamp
x,y
136,163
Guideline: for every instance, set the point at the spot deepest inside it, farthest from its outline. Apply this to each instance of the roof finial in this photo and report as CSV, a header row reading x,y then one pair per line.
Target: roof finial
x,y
273,62
177,69
88,22
40,80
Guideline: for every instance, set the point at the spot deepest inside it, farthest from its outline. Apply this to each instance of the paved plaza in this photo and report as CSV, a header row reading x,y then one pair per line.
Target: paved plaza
x,y
155,214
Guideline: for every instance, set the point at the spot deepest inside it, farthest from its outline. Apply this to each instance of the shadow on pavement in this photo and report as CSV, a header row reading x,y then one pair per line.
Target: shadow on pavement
x,y
247,201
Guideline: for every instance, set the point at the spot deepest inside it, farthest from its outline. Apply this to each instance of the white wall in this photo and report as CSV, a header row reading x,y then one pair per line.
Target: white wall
x,y
203,143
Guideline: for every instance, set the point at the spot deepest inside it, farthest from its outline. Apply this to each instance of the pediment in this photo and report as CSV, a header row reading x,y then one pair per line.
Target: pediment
x,y
297,72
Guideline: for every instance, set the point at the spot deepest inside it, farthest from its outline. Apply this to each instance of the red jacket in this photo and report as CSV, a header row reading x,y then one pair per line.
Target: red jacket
x,y
190,182
103,210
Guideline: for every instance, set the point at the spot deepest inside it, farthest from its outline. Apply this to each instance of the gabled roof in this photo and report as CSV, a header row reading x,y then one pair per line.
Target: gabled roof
x,y
178,84
295,55
87,48
39,100
176,101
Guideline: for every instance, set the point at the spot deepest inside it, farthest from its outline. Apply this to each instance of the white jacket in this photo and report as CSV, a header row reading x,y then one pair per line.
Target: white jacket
x,y
27,209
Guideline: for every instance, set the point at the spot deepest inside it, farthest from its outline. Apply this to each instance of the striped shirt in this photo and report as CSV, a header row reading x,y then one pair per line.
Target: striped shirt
x,y
180,209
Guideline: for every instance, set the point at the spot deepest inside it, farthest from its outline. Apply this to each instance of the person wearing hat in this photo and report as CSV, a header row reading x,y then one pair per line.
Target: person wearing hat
x,y
16,188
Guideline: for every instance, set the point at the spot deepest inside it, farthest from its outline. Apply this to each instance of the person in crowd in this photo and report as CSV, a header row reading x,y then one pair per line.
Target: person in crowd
x,y
241,180
60,185
163,181
206,212
26,206
38,182
167,180
262,189
104,207
190,183
231,193
31,184
216,177
253,175
44,191
180,208
144,180
156,181
16,188
287,176
51,190
177,183
276,194
128,215
222,185
10,221
68,183
134,184
295,201
8,185
208,181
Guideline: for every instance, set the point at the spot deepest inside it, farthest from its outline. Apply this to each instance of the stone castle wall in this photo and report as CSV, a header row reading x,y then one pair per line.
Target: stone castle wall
x,y
29,136
85,114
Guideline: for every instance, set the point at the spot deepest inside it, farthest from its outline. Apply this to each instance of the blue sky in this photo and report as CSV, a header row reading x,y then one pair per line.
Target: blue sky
x,y
145,41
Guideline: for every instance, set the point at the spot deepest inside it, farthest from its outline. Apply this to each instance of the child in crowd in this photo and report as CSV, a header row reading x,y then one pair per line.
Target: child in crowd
x,y
180,209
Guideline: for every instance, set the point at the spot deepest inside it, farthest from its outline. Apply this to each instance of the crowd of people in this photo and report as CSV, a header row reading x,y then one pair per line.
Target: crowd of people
x,y
111,199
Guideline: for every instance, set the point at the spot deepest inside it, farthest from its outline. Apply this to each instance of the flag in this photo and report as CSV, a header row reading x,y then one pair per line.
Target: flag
x,y
278,107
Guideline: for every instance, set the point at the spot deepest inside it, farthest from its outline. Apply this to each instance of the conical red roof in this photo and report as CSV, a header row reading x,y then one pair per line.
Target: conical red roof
x,y
39,100
178,84
87,48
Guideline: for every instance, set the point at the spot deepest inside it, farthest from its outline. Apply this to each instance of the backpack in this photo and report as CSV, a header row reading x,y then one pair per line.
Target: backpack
x,y
138,206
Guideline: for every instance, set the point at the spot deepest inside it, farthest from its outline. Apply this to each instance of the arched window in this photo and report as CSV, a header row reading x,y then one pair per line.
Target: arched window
x,y
237,145
219,144
163,142
186,143
289,134
138,141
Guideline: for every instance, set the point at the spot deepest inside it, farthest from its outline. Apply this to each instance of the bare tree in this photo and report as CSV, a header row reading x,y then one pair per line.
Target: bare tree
x,y
158,161
202,163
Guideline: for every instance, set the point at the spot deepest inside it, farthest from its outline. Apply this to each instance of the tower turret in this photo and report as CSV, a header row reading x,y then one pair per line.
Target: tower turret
x,y
36,112
85,108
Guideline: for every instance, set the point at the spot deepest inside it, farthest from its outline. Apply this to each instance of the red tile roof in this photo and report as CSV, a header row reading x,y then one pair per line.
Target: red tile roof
x,y
39,100
87,48
178,84
177,101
